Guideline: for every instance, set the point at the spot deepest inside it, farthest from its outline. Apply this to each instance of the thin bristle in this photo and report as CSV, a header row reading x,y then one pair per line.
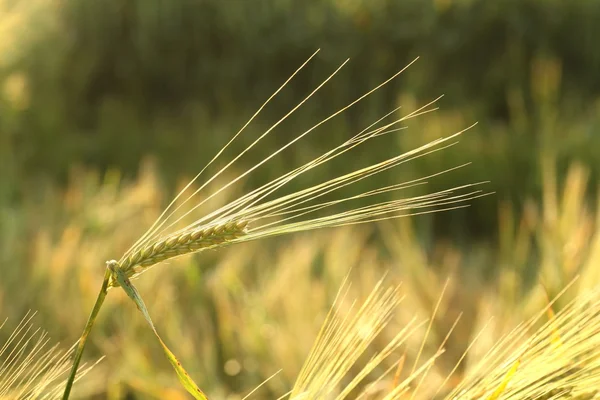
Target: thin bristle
x,y
29,369
539,367
343,339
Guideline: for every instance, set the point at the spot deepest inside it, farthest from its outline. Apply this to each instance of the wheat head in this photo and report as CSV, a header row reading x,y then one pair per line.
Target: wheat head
x,y
269,210
194,240
275,207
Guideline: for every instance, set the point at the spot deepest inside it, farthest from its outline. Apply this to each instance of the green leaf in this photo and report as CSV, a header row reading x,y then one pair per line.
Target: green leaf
x,y
185,379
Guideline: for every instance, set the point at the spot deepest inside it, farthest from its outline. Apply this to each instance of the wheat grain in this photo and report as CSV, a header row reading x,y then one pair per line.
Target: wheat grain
x,y
182,243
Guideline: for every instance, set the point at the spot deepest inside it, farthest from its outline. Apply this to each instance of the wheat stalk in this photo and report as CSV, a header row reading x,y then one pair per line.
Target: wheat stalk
x,y
271,210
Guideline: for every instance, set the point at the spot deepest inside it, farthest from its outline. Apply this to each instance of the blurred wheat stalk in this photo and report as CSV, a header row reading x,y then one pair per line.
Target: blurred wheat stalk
x,y
560,360
21,23
29,368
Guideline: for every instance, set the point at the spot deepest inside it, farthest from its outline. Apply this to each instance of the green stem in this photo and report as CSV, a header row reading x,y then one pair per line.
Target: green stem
x,y
86,332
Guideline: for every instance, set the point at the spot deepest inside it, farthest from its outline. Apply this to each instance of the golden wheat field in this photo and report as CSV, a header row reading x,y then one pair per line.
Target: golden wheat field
x,y
238,317
236,218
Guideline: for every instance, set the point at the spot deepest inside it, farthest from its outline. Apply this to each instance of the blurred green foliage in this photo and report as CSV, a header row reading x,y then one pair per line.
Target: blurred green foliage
x,y
106,83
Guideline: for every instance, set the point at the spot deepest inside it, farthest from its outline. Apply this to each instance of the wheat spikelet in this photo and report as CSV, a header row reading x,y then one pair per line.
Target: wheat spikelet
x,y
269,210
179,244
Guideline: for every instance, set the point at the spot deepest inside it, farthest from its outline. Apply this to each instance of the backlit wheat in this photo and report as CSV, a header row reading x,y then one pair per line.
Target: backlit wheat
x,y
30,368
276,208
184,243
270,211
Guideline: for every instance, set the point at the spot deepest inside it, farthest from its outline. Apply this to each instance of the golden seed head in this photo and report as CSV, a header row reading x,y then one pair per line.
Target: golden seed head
x,y
180,244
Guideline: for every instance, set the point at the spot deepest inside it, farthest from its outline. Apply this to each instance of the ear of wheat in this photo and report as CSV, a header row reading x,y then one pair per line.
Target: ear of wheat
x,y
270,211
265,212
178,244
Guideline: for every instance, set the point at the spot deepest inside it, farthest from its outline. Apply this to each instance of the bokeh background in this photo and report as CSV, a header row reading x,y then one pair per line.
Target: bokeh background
x,y
106,108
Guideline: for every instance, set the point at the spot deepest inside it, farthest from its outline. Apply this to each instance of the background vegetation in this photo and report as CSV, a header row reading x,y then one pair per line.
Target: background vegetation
x,y
106,107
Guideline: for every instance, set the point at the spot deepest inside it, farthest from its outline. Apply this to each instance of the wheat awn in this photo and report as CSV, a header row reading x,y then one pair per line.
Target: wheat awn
x,y
271,209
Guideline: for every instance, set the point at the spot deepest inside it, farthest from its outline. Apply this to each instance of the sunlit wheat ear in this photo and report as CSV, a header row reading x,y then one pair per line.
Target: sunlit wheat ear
x,y
29,368
274,209
539,366
343,338
177,244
